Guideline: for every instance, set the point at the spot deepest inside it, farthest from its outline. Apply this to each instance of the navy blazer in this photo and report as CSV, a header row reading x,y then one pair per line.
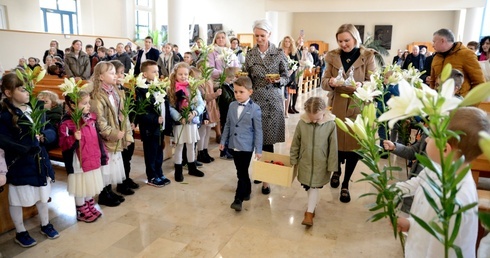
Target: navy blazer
x,y
152,54
245,132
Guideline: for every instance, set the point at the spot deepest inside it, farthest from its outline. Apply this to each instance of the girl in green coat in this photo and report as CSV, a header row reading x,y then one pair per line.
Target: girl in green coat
x,y
314,151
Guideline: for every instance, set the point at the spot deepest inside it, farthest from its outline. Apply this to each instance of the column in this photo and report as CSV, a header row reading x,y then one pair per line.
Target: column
x,y
273,17
178,24
472,24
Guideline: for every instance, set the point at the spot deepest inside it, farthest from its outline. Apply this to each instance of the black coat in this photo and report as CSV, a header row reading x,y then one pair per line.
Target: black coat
x,y
152,54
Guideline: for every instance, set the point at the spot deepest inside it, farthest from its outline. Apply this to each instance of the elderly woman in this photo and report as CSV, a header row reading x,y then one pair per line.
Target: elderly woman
x,y
265,59
349,55
215,58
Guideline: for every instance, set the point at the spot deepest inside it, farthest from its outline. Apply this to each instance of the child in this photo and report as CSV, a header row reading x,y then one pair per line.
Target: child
x,y
101,56
185,128
189,59
212,119
33,63
150,124
52,105
167,60
106,103
83,154
314,151
419,242
128,184
30,173
227,96
243,133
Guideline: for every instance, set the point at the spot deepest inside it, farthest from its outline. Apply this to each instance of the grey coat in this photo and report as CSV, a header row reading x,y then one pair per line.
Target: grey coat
x,y
314,150
77,67
269,96
408,152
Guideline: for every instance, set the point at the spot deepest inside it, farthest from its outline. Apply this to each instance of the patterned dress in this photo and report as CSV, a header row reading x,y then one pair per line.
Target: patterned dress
x,y
269,95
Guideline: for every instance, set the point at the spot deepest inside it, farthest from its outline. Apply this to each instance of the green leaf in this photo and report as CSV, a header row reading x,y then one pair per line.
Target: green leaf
x,y
484,219
377,216
426,226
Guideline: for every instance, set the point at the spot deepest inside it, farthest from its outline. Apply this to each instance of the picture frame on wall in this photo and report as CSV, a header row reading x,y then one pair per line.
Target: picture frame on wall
x,y
212,29
383,34
360,28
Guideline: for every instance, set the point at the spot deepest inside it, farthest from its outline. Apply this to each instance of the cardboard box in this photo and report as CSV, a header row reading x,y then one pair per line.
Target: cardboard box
x,y
272,173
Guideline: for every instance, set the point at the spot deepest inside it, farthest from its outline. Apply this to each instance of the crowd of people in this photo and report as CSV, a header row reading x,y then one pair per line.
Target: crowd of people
x,y
241,100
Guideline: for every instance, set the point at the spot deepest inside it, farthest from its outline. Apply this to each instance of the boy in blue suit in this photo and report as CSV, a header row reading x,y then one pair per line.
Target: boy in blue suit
x,y
243,132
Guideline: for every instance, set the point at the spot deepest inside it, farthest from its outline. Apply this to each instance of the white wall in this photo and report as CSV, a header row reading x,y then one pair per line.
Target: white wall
x,y
23,15
407,26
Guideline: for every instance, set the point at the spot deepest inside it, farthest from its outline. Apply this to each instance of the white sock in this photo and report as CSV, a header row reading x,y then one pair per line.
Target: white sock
x,y
79,201
17,218
42,209
312,199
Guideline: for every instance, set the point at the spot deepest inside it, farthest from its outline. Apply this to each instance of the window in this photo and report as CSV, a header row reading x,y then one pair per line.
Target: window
x,y
143,18
3,19
60,16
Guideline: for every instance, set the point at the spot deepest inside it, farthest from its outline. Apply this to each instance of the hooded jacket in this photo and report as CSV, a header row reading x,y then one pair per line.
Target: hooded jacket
x,y
464,60
314,150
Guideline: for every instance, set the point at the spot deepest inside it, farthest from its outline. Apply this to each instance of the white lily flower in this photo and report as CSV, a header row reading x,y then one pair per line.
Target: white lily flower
x,y
141,82
367,92
403,106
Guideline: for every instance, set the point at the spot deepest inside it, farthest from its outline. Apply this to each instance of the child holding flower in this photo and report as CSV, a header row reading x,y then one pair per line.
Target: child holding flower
x,y
30,173
106,103
83,154
419,242
152,123
186,105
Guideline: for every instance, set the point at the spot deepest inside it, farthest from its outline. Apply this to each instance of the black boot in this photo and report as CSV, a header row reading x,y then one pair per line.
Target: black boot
x,y
294,98
193,171
114,195
105,198
207,155
124,189
201,156
178,173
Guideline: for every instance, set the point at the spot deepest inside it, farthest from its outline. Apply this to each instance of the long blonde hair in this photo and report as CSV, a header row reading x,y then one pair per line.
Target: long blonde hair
x,y
227,41
292,49
352,30
171,90
99,69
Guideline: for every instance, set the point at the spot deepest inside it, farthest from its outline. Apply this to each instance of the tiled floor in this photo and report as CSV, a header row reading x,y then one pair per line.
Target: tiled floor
x,y
193,219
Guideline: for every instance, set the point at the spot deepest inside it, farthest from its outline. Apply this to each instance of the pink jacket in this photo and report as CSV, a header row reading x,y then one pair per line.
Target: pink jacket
x,y
217,63
91,146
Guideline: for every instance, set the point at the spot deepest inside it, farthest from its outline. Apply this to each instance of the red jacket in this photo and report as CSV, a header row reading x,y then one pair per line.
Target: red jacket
x,y
91,146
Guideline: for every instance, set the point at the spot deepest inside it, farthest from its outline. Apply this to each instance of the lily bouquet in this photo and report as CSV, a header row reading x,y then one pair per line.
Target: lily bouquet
x,y
228,57
30,78
292,64
72,89
425,102
204,51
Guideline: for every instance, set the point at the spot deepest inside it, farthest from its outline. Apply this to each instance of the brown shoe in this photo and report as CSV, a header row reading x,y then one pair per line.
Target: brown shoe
x,y
308,221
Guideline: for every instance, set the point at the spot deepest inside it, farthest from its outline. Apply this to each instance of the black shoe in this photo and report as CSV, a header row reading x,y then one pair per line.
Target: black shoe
x,y
295,111
207,155
118,197
290,111
124,189
266,190
335,180
198,164
178,173
257,182
247,198
225,155
193,171
106,199
131,184
201,156
236,205
344,195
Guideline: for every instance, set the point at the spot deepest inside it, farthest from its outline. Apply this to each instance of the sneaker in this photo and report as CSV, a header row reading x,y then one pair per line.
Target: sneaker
x,y
24,239
156,182
198,164
49,231
165,180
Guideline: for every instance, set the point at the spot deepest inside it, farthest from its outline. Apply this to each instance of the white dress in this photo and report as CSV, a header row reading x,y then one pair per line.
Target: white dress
x,y
27,195
113,172
84,184
186,133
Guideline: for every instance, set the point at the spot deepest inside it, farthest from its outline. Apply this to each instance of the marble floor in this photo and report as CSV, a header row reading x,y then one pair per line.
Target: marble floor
x,y
194,219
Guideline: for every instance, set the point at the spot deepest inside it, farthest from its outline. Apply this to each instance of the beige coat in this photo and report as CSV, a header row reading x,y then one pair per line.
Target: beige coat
x,y
207,91
108,122
314,150
342,107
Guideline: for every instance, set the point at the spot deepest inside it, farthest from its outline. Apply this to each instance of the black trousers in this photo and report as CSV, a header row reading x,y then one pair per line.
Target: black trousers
x,y
153,152
350,159
127,155
242,162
